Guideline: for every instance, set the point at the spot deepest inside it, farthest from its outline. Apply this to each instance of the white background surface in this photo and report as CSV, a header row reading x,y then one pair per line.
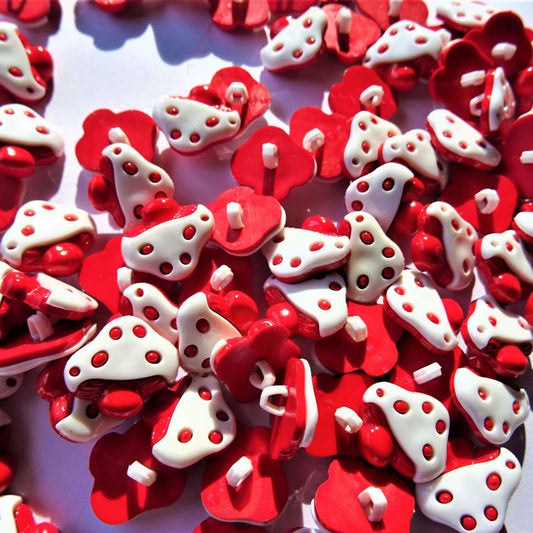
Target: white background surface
x,y
127,63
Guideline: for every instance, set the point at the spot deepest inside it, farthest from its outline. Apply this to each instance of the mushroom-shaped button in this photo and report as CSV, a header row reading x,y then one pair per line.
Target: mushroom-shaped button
x,y
298,43
506,266
389,193
492,409
443,246
168,243
48,237
499,338
26,69
419,424
473,496
190,126
196,424
146,301
126,182
298,253
413,301
318,305
372,252
126,363
248,364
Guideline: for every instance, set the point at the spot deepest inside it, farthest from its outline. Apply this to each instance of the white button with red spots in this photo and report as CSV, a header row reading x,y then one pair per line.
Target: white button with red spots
x,y
171,249
419,423
191,126
126,348
39,224
473,497
200,329
295,254
201,424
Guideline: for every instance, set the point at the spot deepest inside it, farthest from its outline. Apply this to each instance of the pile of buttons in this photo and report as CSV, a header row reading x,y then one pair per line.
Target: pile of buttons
x,y
417,302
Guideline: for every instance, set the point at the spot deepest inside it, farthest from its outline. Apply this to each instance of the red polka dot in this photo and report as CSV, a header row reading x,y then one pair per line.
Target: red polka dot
x,y
191,350
492,321
468,522
139,331
310,40
175,134
154,177
185,259
380,393
215,437
383,48
407,308
510,465
194,138
359,218
185,435
29,212
211,122
444,496
357,205
427,451
362,186
146,249
324,304
505,427
27,230
432,317
71,218
362,126
151,313
130,168
115,333
152,357
388,184
362,281
365,146
334,286
172,110
482,394
74,371
296,262
491,513
139,292
277,260
488,423
427,407
421,40
42,130
189,232
316,246
202,325
99,359
165,268
516,408
366,237
401,407
440,426
387,273
15,71
297,53
494,481
204,393
399,290
222,416
308,23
